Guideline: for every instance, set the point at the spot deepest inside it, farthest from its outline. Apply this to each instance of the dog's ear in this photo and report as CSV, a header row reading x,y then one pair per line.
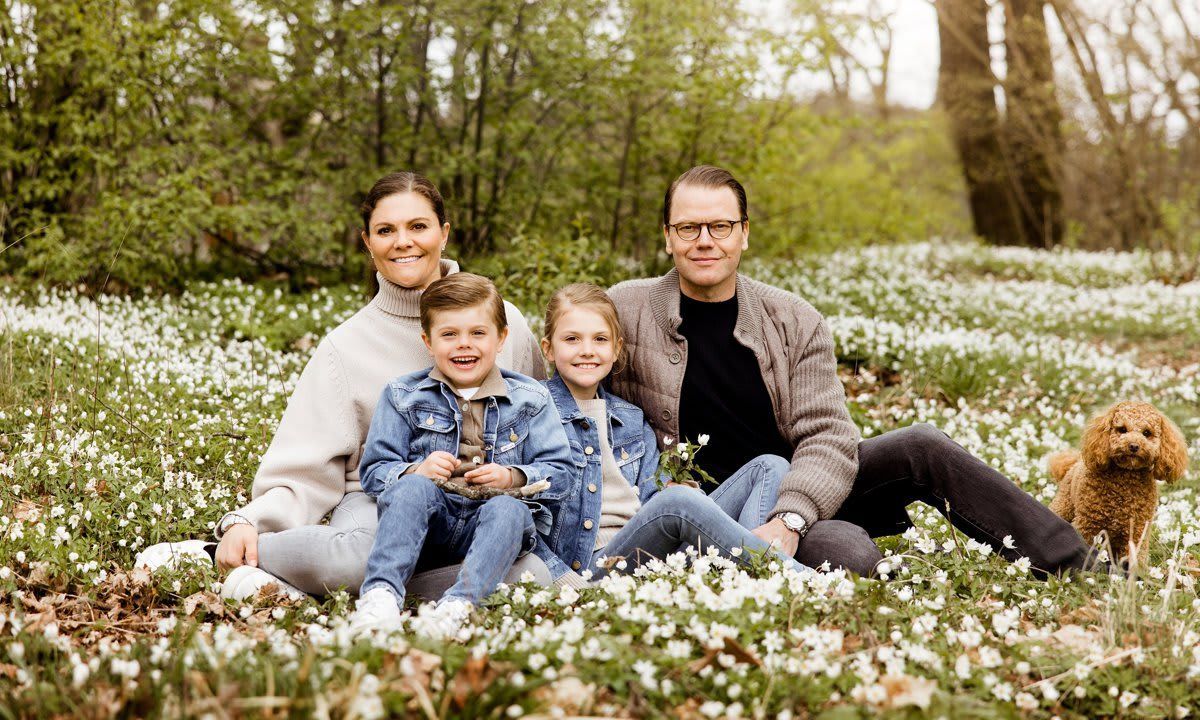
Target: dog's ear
x,y
1097,449
1172,455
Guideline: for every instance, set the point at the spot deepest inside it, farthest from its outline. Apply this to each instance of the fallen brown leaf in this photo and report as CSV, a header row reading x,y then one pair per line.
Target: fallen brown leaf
x,y
732,647
475,675
206,600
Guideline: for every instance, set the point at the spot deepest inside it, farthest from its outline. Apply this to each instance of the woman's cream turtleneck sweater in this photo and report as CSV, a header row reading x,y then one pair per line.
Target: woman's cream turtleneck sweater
x,y
312,461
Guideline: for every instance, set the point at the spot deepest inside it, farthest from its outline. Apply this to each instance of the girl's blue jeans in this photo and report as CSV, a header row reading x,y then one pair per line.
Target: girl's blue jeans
x,y
417,519
678,517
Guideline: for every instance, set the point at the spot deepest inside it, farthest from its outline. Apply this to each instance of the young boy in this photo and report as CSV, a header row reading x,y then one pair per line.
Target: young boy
x,y
465,419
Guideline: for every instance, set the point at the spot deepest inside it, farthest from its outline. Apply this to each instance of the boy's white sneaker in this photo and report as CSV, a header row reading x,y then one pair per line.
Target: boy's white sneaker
x,y
376,609
443,620
171,554
246,581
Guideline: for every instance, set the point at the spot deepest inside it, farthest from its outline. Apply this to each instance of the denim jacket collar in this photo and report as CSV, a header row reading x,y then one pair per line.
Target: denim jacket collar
x,y
569,409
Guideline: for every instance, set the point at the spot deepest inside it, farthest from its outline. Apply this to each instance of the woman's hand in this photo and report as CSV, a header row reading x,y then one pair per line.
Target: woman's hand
x,y
439,464
239,546
491,475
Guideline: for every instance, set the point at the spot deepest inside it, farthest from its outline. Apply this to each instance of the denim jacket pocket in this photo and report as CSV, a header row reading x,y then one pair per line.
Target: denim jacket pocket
x,y
629,452
511,437
433,430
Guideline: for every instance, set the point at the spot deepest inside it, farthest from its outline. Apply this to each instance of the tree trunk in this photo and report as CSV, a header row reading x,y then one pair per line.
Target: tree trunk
x,y
966,89
1034,124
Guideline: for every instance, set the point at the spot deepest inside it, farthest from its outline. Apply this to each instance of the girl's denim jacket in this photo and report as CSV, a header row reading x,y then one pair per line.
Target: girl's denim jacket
x,y
418,415
571,540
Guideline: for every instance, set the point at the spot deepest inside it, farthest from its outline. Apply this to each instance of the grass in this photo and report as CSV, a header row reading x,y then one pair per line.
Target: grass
x,y
128,421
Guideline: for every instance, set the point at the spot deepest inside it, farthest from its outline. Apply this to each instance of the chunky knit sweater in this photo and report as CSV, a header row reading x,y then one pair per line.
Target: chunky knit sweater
x,y
312,461
795,355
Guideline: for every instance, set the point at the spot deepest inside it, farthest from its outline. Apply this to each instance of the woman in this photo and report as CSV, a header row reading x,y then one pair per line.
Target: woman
x,y
310,469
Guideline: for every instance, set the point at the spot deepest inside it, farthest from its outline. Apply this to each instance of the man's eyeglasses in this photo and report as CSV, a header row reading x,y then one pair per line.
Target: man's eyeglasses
x,y
717,229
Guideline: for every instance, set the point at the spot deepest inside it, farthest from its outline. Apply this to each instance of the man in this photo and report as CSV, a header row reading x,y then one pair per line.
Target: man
x,y
712,351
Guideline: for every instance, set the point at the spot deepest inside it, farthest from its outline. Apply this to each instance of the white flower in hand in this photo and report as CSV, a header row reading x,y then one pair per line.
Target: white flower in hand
x,y
681,447
668,440
703,440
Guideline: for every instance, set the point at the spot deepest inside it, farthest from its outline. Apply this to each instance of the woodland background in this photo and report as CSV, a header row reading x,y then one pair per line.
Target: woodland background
x,y
144,144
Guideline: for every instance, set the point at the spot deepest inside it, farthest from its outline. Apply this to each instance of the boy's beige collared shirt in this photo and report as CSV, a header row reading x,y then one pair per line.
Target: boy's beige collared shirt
x,y
471,449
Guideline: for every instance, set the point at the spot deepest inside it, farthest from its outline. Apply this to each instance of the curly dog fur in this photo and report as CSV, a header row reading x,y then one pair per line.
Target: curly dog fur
x,y
1126,450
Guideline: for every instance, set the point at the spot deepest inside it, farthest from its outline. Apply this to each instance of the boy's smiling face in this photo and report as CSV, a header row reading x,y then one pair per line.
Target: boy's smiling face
x,y
464,343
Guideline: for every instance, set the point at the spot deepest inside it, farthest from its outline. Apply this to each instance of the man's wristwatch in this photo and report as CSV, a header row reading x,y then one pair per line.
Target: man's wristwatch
x,y
794,522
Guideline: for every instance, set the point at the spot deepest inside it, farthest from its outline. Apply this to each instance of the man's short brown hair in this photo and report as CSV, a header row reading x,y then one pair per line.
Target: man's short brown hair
x,y
706,176
461,290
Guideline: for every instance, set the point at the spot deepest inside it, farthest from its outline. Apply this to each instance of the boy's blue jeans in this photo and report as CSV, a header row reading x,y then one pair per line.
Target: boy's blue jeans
x,y
417,518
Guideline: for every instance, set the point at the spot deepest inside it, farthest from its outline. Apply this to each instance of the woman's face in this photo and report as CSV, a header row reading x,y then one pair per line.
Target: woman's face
x,y
405,240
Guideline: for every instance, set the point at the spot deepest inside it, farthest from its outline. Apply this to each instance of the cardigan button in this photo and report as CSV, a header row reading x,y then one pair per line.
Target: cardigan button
x,y
587,524
675,358
575,565
666,414
591,487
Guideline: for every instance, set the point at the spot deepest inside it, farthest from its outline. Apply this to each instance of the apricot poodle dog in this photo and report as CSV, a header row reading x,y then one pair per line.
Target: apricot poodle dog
x,y
1126,450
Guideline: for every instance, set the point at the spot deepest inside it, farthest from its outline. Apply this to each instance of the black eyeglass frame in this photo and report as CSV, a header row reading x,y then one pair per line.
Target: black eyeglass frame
x,y
700,227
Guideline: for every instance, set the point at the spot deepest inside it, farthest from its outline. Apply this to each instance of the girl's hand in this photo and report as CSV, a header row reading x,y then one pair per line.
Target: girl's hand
x,y
239,546
439,464
491,475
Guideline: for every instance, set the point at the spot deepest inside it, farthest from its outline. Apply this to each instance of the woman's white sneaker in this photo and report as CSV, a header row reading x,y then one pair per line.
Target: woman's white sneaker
x,y
376,609
172,555
245,581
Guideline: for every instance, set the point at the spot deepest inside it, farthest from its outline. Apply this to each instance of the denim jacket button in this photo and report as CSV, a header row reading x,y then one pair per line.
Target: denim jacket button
x,y
588,450
587,524
576,565
592,487
585,424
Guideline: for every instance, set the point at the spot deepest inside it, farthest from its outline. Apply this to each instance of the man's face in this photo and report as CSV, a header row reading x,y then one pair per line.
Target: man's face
x,y
707,266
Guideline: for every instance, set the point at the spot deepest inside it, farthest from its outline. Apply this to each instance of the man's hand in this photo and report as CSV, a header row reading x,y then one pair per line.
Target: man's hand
x,y
239,546
490,475
439,464
779,535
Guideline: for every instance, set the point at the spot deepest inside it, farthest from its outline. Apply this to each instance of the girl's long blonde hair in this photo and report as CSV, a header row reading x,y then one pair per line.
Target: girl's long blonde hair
x,y
592,297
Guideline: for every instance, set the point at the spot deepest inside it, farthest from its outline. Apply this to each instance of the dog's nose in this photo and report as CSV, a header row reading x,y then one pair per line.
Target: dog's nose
x,y
1133,447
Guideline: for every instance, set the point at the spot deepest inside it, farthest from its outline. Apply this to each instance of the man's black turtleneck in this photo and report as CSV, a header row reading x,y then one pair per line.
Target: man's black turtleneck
x,y
723,394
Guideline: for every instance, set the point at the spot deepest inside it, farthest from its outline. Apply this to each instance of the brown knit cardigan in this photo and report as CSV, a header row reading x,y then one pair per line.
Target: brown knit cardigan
x,y
795,353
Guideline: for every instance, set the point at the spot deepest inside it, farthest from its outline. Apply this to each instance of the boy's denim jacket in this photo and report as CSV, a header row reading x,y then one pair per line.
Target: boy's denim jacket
x,y
418,415
569,544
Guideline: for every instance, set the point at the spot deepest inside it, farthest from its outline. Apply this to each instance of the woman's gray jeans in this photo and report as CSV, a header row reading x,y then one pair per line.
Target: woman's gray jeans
x,y
322,558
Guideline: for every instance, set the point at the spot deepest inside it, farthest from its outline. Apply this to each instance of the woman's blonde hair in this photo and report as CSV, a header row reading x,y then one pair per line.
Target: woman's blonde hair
x,y
592,297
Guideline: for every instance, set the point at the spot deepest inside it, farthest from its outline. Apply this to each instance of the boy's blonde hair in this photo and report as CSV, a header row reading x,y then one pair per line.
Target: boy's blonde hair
x,y
591,297
461,290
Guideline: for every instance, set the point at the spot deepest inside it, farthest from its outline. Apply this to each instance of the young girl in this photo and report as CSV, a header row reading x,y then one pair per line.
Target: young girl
x,y
616,508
